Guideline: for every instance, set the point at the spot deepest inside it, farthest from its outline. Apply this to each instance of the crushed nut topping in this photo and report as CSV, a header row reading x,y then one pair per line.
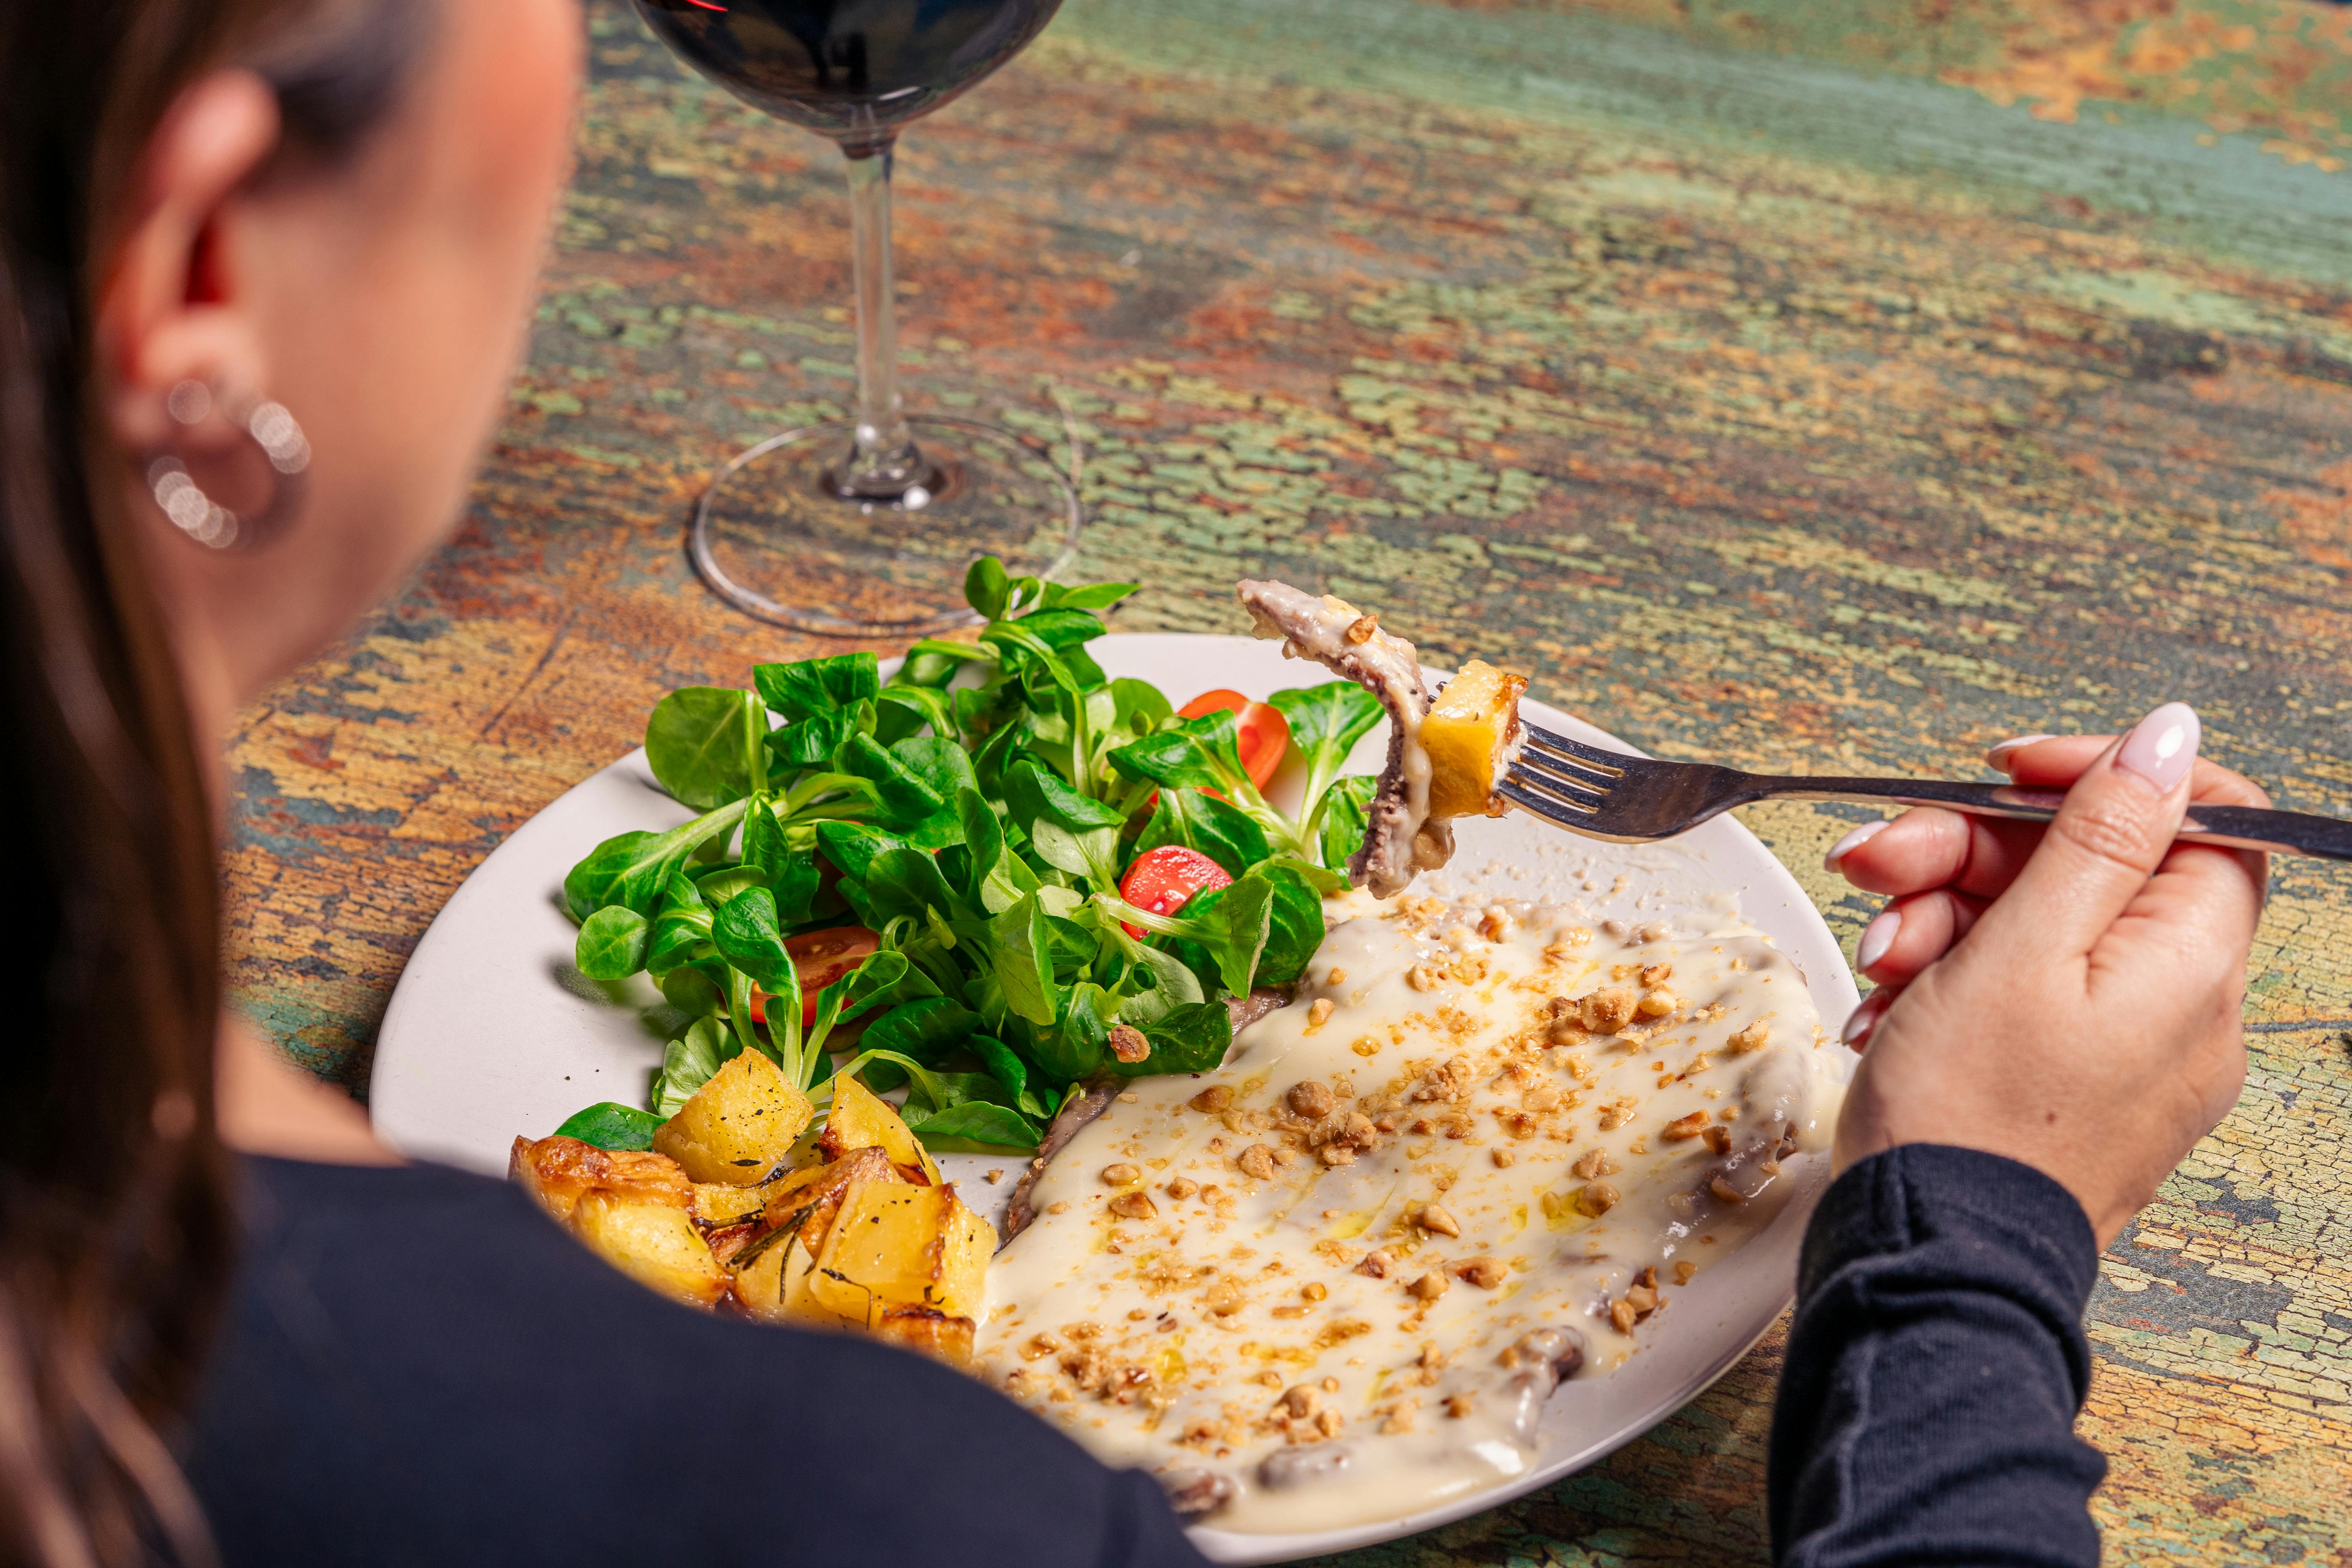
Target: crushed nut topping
x,y
1309,1099
1486,1273
1217,1096
1596,1198
1128,1044
1606,1012
1120,1174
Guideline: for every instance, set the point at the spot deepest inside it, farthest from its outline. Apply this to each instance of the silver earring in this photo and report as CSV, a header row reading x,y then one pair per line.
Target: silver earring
x,y
269,426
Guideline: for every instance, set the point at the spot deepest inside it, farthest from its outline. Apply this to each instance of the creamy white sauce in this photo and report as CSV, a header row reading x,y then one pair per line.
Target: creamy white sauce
x,y
1235,1321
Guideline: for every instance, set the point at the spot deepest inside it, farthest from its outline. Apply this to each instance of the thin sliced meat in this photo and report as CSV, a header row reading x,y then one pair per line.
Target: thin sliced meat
x,y
1399,836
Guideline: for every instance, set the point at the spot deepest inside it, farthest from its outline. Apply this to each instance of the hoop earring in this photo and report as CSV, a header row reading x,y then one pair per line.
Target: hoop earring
x,y
271,427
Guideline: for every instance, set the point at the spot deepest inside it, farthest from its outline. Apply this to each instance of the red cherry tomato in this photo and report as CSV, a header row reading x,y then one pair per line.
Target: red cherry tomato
x,y
1163,880
819,958
1261,735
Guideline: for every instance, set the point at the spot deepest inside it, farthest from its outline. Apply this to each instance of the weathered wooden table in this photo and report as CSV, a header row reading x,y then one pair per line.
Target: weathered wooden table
x,y
1824,387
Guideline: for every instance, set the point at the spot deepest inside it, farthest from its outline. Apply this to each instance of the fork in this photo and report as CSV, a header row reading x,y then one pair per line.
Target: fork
x,y
1607,794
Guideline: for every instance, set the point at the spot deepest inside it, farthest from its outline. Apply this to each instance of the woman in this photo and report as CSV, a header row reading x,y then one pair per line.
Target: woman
x,y
213,212
263,269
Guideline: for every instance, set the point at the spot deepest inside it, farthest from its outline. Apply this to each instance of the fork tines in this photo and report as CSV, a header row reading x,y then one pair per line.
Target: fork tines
x,y
1553,774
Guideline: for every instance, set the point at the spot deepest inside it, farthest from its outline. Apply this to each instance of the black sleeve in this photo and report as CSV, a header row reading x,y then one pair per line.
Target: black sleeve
x,y
418,1367
1934,1368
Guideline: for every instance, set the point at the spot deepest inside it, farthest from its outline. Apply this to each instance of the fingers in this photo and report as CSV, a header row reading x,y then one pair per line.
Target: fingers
x,y
1911,934
2110,837
1930,848
2054,761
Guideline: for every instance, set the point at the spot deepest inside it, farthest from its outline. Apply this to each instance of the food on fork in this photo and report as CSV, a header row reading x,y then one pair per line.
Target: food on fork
x,y
1444,759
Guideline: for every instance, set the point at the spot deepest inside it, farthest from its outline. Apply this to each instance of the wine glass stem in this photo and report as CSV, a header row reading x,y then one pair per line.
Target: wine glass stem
x,y
883,462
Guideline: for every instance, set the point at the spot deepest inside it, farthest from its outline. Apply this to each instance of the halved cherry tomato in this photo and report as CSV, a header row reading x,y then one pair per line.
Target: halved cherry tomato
x,y
1163,880
819,958
1263,733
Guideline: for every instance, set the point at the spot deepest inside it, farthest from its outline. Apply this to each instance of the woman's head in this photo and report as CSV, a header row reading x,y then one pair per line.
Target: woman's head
x,y
333,204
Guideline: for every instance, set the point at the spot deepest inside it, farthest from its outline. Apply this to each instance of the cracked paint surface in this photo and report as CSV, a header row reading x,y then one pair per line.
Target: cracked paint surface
x,y
1839,389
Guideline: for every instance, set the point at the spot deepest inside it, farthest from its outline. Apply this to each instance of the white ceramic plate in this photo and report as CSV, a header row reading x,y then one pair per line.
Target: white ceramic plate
x,y
492,1032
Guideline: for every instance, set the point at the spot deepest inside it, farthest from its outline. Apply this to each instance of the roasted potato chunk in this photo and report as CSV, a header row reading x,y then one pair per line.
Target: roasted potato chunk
x,y
897,1244
934,1333
774,1286
860,1118
807,1200
1466,734
654,1244
558,1171
739,1127
716,1205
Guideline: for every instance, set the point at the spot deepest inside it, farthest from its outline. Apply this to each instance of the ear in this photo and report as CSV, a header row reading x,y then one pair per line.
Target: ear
x,y
170,309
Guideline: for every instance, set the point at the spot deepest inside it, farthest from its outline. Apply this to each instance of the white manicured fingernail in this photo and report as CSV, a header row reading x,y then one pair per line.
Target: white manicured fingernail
x,y
1876,938
1998,756
1851,842
1862,1021
2162,747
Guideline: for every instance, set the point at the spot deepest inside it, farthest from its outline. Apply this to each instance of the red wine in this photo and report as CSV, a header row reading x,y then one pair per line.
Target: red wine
x,y
852,70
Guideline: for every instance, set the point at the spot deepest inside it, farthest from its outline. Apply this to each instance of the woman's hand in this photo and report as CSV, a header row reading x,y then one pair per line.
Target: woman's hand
x,y
2067,995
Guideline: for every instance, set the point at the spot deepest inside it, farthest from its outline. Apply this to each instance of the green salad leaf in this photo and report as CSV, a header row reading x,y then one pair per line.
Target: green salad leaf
x,y
976,813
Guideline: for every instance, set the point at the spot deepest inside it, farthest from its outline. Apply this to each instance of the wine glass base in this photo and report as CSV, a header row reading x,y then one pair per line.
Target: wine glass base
x,y
776,537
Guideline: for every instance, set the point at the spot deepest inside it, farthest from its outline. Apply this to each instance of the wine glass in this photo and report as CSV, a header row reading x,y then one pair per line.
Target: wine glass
x,y
864,527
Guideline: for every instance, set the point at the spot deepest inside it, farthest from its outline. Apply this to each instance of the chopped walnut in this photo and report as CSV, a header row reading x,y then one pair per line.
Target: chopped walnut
x,y
1725,1191
1595,1162
1460,1404
1503,1159
1429,1286
1657,1004
1486,1273
1400,1417
1311,1099
1360,632
1217,1096
1341,1136
1257,1161
1496,925
1339,977
1302,1401
1376,1264
1684,1271
1683,1128
1128,1044
1119,1175
1621,1317
1183,1187
1749,1039
1319,1013
1618,1112
1596,1198
1134,1205
1658,974
1423,977
1224,1298
1433,1219
1315,1290
1607,1012
1451,1081
1718,1139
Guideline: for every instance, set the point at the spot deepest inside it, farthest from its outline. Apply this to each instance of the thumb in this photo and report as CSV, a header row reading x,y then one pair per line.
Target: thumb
x,y
2110,834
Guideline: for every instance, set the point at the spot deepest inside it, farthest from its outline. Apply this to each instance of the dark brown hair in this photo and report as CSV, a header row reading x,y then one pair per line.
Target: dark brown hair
x,y
116,1233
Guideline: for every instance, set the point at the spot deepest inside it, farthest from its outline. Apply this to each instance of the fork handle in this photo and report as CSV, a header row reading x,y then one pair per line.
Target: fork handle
x,y
2237,827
